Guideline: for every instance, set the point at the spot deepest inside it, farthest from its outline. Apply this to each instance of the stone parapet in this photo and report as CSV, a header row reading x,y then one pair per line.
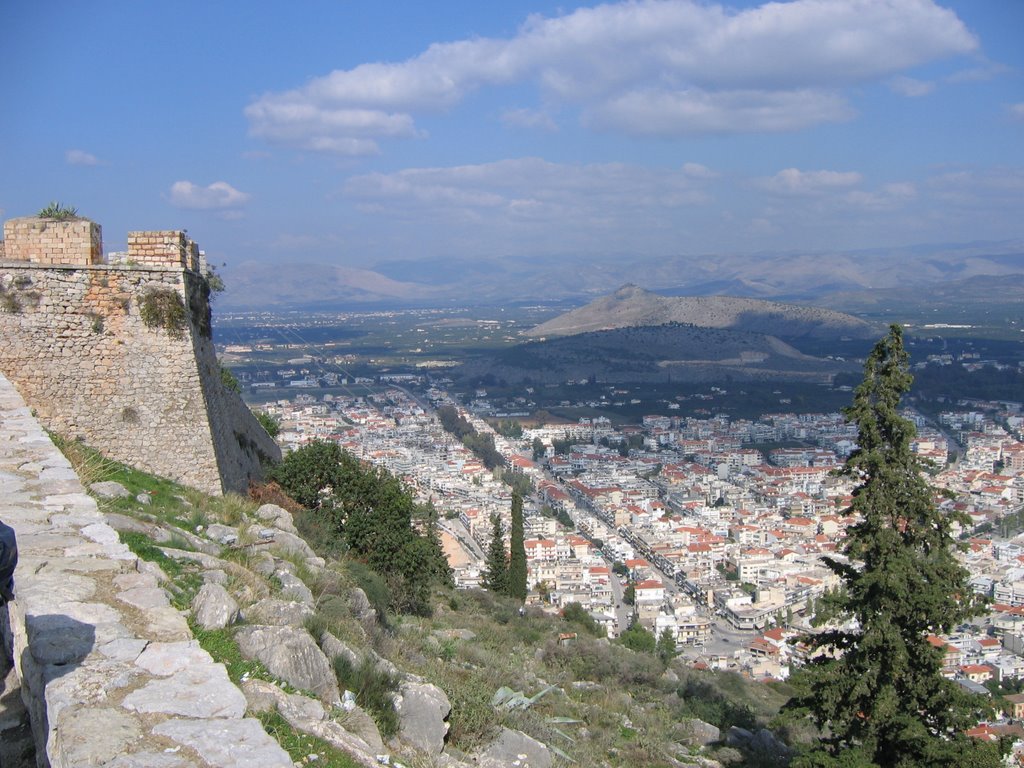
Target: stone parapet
x,y
108,670
162,248
52,241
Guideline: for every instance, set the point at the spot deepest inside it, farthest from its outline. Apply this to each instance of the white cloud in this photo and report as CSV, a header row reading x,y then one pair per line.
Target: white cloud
x,y
909,86
792,181
534,184
80,157
698,171
216,196
994,188
663,113
1016,110
888,197
529,118
531,205
984,71
646,67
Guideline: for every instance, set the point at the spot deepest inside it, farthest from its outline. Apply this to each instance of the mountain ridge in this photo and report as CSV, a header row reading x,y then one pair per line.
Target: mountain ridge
x,y
632,306
806,276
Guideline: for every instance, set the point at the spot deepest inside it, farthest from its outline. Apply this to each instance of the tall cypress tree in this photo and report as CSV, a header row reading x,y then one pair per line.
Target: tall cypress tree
x,y
874,684
495,576
517,551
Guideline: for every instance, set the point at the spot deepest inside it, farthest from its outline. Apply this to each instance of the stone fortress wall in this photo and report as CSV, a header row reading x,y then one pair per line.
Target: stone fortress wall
x,y
120,354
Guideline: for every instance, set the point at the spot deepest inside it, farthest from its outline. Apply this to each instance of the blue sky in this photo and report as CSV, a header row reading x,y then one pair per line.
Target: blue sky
x,y
357,132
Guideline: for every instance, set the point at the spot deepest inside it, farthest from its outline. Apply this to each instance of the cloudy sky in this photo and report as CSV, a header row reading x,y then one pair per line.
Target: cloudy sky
x,y
354,132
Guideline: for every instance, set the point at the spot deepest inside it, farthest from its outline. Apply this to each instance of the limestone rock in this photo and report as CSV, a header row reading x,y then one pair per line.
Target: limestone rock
x,y
213,607
143,498
359,603
383,665
296,708
293,545
150,760
308,715
422,709
216,576
701,733
278,613
336,735
222,534
125,523
294,588
357,721
263,564
261,696
333,647
110,490
292,655
279,517
514,748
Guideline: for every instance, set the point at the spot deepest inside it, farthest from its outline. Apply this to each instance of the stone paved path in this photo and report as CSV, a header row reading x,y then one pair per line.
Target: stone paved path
x,y
108,670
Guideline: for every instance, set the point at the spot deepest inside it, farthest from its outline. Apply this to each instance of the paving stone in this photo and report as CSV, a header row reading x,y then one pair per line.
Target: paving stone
x,y
198,691
94,735
227,743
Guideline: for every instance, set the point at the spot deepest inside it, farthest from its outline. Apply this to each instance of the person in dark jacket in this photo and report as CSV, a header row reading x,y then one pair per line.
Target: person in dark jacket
x,y
8,560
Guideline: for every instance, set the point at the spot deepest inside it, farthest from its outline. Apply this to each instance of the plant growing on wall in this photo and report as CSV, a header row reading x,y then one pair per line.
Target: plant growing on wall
x,y
163,308
59,212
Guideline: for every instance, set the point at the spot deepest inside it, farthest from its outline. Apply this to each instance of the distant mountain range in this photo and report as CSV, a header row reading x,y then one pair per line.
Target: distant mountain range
x,y
824,278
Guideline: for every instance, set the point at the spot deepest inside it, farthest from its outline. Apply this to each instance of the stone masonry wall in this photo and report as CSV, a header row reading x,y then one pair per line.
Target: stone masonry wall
x,y
106,667
79,351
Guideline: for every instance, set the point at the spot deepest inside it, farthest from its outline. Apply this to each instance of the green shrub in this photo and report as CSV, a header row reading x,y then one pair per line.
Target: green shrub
x,y
59,212
227,378
302,747
163,308
269,422
576,614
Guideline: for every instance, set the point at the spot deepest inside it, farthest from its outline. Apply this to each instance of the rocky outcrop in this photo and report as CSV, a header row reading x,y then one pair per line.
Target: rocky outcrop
x,y
213,607
514,748
422,710
292,655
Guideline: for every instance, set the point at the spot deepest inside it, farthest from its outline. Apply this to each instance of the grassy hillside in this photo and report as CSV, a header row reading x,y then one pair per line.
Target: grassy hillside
x,y
658,353
593,702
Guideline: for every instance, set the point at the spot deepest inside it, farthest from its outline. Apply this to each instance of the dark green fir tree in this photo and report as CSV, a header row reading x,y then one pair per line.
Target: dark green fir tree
x,y
874,685
517,551
495,575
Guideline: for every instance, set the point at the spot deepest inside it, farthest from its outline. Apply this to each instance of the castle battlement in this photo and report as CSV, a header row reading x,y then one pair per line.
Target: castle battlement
x,y
77,242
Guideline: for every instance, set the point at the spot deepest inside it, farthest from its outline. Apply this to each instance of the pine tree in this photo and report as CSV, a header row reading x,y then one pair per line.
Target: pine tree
x,y
666,646
495,576
517,551
874,684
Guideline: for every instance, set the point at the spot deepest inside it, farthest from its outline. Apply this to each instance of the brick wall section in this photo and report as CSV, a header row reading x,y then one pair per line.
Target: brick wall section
x,y
165,248
49,241
78,351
